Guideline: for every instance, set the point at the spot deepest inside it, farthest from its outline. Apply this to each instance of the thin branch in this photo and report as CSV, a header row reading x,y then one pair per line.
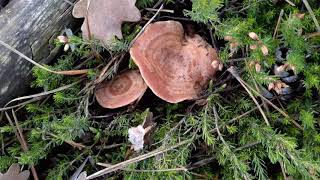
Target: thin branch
x,y
235,74
146,170
290,2
162,10
217,125
135,160
247,146
278,24
41,94
21,140
314,18
71,72
283,171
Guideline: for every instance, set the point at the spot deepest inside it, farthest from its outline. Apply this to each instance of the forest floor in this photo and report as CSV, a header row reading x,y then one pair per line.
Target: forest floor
x,y
259,118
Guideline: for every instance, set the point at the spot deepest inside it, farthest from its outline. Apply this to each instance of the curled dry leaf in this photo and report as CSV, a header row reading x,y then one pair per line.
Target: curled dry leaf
x,y
136,137
104,17
253,36
299,15
216,64
121,91
228,38
175,67
280,87
264,50
280,71
253,47
258,67
14,173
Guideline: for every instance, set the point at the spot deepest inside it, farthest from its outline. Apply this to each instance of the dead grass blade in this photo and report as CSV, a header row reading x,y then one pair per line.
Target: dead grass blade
x,y
136,159
70,73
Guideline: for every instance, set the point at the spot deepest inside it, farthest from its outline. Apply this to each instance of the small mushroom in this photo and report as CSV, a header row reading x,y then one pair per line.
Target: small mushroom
x,y
175,67
121,91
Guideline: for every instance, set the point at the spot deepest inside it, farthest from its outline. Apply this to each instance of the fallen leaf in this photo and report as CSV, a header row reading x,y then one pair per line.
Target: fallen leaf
x,y
136,136
253,36
228,38
258,67
264,50
104,17
14,173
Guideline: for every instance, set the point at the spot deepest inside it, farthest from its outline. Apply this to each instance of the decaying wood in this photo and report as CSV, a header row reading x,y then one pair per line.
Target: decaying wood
x,y
28,26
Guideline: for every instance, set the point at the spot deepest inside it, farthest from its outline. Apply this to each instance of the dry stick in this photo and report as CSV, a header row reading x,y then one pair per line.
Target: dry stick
x,y
145,170
163,10
41,94
270,103
278,24
71,72
136,159
283,171
20,104
312,35
290,2
70,142
233,72
247,146
22,143
306,3
274,106
145,26
237,118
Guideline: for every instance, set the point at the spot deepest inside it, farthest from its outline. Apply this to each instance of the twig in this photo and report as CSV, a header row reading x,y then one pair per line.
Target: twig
x,y
237,118
146,170
274,106
145,26
217,125
70,142
201,163
270,103
306,3
21,139
71,72
283,171
247,146
312,35
235,74
20,104
278,24
162,10
290,2
41,94
136,159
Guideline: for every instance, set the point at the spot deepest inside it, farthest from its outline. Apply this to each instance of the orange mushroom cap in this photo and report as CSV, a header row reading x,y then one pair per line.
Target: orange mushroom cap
x,y
175,67
121,91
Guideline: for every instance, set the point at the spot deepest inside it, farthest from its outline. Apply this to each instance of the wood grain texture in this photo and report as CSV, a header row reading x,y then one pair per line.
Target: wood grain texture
x,y
28,26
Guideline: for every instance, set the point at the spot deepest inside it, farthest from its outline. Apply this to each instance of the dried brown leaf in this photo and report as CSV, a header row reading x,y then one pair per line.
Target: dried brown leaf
x,y
264,50
253,36
104,17
14,173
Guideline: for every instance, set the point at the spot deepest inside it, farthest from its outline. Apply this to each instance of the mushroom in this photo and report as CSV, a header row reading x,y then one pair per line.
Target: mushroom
x,y
175,67
121,91
103,18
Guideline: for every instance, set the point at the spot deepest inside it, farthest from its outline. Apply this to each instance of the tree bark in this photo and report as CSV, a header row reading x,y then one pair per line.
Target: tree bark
x,y
28,26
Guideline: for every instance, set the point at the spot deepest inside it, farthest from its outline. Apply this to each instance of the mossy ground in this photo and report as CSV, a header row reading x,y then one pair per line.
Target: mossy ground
x,y
223,135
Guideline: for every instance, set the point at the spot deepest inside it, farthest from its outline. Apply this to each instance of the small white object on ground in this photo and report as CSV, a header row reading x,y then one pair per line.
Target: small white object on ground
x,y
136,137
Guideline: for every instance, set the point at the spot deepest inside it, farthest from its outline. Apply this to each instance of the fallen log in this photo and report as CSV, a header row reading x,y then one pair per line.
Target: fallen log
x,y
29,26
